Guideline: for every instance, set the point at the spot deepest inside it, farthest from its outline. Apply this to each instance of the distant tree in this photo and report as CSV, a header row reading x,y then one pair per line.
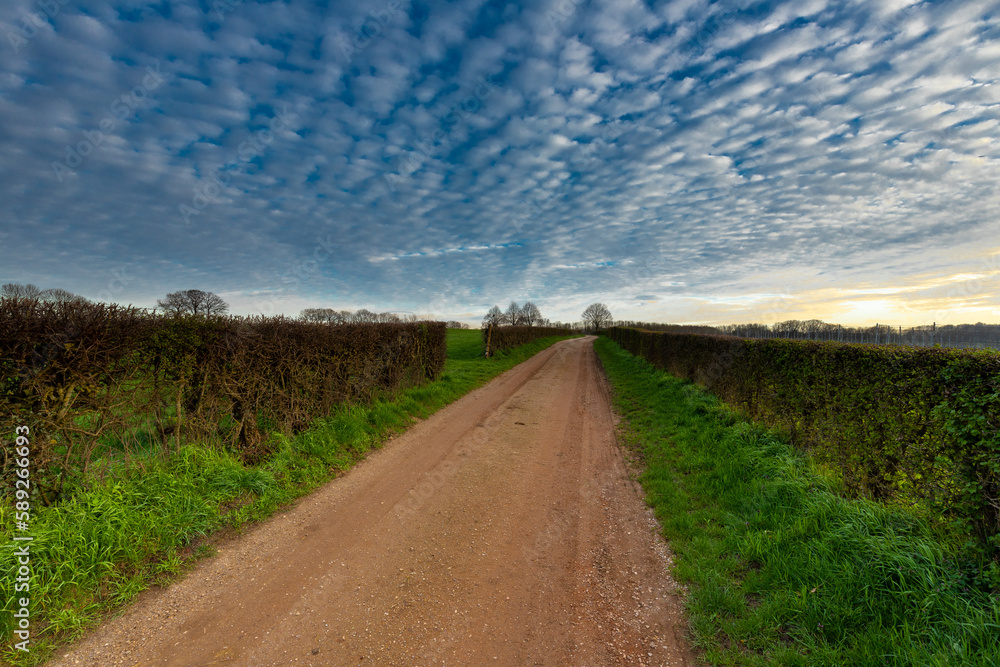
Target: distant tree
x,y
597,316
319,315
514,316
20,291
813,328
494,317
193,301
58,295
455,324
531,315
29,291
363,316
789,328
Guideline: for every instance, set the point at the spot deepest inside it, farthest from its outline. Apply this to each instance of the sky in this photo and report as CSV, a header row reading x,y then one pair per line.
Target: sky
x,y
683,161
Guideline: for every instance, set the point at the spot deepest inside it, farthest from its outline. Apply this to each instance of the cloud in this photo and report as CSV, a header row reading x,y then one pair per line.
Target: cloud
x,y
689,151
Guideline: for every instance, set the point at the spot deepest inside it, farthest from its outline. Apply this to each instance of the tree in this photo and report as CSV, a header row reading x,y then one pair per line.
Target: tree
x,y
57,295
455,324
514,316
20,291
319,315
364,316
597,316
532,316
29,291
789,328
494,317
193,301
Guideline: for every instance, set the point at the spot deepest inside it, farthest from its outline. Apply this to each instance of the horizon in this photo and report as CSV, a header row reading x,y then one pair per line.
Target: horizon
x,y
573,322
682,162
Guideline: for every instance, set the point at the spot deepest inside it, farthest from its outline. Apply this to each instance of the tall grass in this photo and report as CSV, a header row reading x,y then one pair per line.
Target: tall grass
x,y
781,569
144,524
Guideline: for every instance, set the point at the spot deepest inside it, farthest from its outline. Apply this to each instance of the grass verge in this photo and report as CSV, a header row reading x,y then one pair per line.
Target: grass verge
x,y
147,524
781,569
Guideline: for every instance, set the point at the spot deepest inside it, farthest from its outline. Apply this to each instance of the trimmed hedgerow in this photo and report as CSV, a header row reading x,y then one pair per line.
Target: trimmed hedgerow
x,y
912,426
500,339
99,381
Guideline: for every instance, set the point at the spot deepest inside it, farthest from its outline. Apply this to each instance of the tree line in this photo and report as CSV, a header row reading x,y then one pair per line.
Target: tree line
x,y
365,316
979,335
29,291
192,301
595,317
527,315
201,302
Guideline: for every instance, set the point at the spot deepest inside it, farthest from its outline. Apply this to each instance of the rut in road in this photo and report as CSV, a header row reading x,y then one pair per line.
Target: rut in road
x,y
503,530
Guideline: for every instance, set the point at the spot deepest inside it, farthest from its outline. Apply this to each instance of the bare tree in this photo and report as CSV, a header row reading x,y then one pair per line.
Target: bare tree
x,y
455,324
320,315
58,295
812,328
597,316
789,328
364,316
514,316
20,291
29,291
193,301
531,315
494,317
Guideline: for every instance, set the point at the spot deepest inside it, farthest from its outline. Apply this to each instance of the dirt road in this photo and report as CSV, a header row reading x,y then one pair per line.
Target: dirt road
x,y
504,530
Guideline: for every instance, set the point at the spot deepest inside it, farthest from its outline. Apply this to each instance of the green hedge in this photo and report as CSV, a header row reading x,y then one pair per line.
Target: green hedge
x,y
499,339
102,381
913,426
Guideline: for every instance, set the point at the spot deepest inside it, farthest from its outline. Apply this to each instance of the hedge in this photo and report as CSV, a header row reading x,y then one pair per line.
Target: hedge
x,y
914,426
497,339
99,380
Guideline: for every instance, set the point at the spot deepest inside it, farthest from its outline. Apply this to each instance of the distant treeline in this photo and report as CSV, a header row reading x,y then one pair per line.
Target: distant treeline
x,y
659,326
977,335
365,316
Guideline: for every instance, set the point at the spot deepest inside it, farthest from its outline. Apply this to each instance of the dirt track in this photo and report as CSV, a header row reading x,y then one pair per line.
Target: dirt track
x,y
504,530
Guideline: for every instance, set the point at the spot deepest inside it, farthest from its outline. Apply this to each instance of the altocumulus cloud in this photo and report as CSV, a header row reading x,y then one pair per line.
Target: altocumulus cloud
x,y
451,155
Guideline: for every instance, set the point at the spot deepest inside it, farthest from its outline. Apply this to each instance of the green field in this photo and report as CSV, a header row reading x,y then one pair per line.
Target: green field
x,y
147,524
782,570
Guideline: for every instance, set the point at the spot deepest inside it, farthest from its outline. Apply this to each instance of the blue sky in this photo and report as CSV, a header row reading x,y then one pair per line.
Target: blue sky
x,y
683,161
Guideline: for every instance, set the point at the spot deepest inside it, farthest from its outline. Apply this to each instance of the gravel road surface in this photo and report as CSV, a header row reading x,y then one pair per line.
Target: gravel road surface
x,y
503,530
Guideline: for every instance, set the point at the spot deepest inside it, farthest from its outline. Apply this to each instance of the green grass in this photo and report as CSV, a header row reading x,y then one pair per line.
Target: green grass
x,y
146,524
781,569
